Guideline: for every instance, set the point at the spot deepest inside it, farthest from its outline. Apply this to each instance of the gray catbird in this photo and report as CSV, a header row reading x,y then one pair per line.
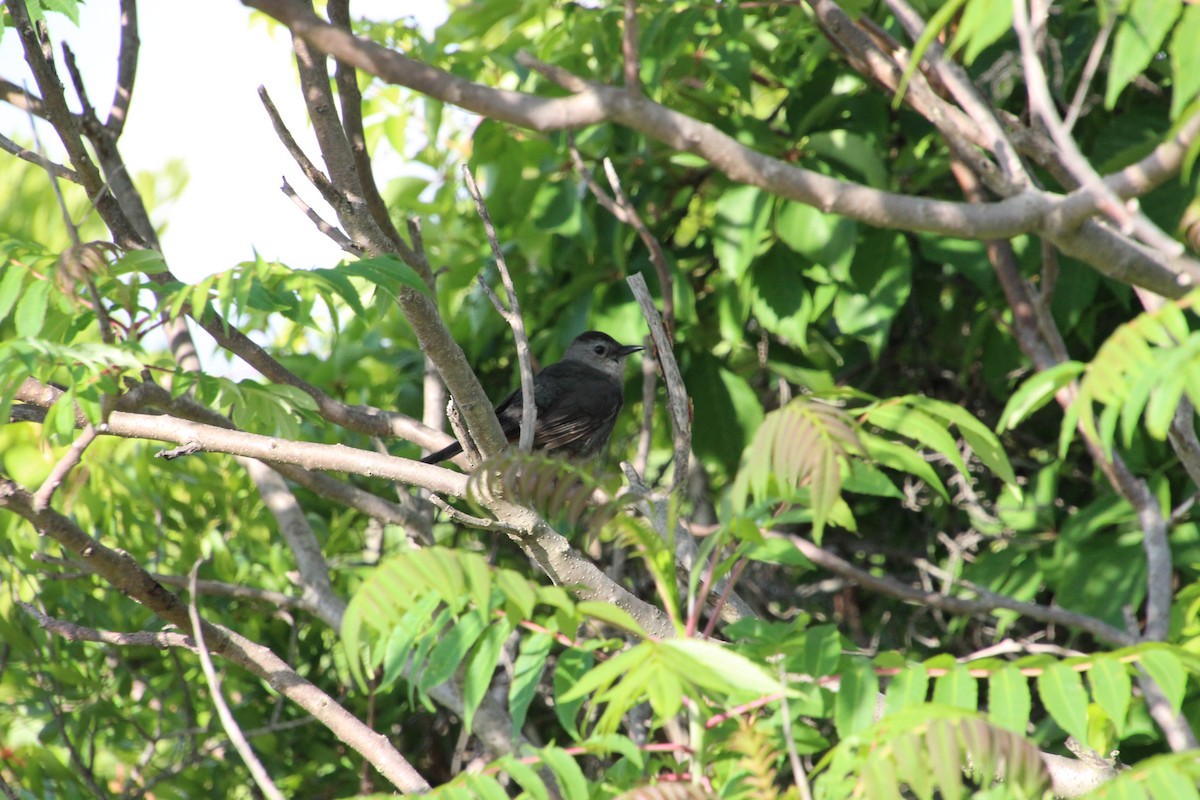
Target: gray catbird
x,y
577,399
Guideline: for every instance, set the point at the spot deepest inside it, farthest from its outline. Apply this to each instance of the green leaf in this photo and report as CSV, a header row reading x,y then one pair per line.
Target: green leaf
x,y
742,216
957,689
982,441
855,705
982,24
904,458
31,309
146,262
1139,36
1167,781
779,301
570,777
386,272
1037,392
59,425
822,238
1165,669
719,394
1112,689
611,614
570,666
10,288
716,667
857,153
866,478
1009,701
1185,60
908,688
915,424
822,650
933,29
777,551
482,666
526,776
527,673
1062,693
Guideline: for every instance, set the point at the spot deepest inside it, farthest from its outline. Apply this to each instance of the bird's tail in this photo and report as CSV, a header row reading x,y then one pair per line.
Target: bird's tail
x,y
448,452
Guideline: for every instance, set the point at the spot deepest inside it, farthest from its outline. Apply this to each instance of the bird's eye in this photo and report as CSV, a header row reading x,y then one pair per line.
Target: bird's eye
x,y
598,349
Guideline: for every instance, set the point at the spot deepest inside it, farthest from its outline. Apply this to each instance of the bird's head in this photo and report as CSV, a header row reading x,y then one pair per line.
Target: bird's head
x,y
600,351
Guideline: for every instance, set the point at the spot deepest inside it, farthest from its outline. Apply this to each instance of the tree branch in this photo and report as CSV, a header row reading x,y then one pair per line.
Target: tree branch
x,y
987,603
591,104
257,771
512,316
309,455
125,575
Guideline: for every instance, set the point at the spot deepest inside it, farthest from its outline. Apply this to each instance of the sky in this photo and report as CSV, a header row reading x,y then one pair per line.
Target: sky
x,y
195,100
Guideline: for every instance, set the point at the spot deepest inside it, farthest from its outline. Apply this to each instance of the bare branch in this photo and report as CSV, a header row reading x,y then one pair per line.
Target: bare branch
x,y
159,640
120,570
677,399
55,170
592,103
629,49
955,78
512,316
340,239
127,61
364,419
68,462
1089,70
350,102
987,603
666,282
314,581
257,771
21,98
209,438
315,176
1102,196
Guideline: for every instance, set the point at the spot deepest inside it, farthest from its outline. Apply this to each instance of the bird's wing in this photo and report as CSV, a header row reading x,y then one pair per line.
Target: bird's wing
x,y
578,415
575,410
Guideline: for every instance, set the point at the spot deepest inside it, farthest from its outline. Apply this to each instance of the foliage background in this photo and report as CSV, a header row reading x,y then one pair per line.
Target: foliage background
x,y
773,299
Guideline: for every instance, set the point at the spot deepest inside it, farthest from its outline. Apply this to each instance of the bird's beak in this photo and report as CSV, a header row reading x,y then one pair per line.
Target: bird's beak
x,y
630,349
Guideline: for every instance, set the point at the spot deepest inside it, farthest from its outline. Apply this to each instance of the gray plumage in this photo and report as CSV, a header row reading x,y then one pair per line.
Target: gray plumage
x,y
578,399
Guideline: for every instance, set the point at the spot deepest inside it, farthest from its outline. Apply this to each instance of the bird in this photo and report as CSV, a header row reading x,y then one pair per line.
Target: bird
x,y
577,398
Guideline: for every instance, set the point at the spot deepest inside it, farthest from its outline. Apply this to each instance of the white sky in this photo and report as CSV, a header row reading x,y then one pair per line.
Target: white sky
x,y
196,100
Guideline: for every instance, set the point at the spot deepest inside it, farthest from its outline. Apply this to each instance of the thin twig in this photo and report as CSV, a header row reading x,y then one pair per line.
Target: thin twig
x,y
629,49
332,231
512,317
469,519
257,771
21,98
315,176
799,776
726,585
309,455
677,399
57,170
649,384
1042,105
350,103
955,78
658,257
1090,67
987,603
98,306
68,462
127,61
160,640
